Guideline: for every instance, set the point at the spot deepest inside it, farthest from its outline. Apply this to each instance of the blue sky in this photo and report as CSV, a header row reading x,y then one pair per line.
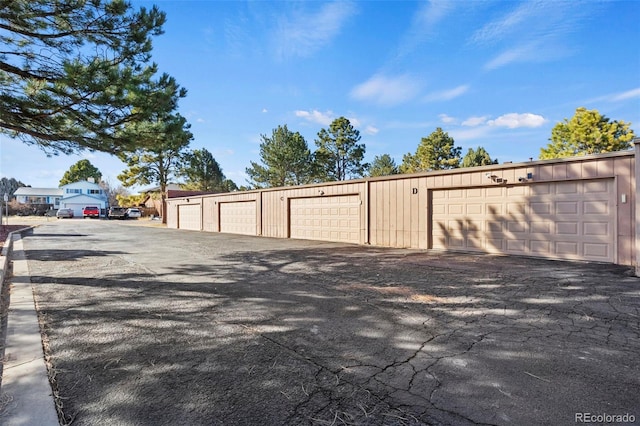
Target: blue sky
x,y
497,74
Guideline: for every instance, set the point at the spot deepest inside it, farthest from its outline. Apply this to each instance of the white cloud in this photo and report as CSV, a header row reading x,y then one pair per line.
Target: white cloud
x,y
517,54
447,119
475,121
315,116
264,110
534,31
447,95
629,94
514,120
506,25
387,91
200,120
423,24
305,33
371,130
533,20
614,97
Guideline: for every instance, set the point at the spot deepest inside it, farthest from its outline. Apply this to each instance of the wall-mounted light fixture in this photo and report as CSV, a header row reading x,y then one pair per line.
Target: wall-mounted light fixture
x,y
187,200
523,179
321,192
495,178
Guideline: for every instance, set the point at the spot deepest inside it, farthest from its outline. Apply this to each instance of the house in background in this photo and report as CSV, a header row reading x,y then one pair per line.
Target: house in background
x,y
39,196
78,195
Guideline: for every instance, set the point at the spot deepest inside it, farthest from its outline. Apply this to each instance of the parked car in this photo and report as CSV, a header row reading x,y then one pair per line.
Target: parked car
x,y
91,211
117,213
134,213
68,213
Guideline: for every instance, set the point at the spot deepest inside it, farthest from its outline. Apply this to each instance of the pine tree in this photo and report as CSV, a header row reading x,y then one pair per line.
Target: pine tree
x,y
383,165
73,72
339,155
435,152
82,170
587,132
286,160
478,157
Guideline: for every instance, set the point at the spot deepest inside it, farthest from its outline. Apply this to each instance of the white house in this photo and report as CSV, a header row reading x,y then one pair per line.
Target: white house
x,y
77,195
28,195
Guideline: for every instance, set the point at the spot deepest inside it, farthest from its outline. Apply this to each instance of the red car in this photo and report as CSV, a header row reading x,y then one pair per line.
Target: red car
x,y
91,211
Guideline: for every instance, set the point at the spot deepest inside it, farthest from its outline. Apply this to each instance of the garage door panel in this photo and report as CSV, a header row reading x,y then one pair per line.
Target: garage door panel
x,y
517,227
540,208
238,217
567,228
597,250
567,207
566,248
566,188
568,220
596,229
541,247
494,192
540,228
517,245
596,187
329,218
189,217
596,207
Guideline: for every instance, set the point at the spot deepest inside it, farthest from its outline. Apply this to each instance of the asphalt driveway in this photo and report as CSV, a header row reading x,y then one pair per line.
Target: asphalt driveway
x,y
150,326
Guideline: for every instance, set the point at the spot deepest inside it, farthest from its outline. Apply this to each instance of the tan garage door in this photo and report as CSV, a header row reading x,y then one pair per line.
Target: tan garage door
x,y
565,220
331,218
189,217
238,217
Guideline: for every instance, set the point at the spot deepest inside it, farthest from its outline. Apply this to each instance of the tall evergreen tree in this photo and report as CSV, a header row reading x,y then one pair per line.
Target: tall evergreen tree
x,y
201,171
286,160
383,165
435,152
339,155
82,170
587,132
9,185
73,72
477,157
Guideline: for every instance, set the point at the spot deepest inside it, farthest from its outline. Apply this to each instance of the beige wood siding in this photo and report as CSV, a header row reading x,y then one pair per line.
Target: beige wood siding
x,y
566,220
189,217
238,217
328,218
209,216
172,214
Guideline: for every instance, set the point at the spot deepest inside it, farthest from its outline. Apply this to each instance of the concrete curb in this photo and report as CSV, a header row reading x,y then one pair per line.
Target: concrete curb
x,y
25,394
4,258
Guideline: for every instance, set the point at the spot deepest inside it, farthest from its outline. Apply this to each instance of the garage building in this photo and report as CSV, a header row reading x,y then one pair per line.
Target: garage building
x,y
580,208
